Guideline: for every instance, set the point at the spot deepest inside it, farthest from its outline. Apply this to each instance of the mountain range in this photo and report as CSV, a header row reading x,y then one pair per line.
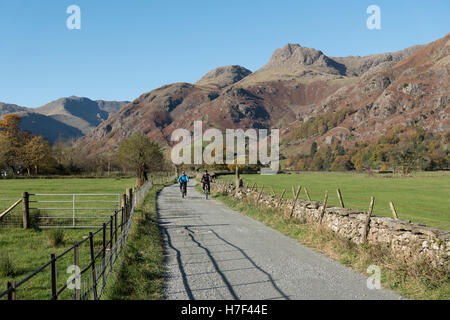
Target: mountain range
x,y
67,118
365,97
374,94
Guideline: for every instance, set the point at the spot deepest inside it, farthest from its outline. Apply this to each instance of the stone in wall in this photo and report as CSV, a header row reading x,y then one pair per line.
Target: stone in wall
x,y
411,241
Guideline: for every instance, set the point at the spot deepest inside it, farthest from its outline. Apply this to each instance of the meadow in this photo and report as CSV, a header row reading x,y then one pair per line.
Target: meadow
x,y
422,197
23,251
13,188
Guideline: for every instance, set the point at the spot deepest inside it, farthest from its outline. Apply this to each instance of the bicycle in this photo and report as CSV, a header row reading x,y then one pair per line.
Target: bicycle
x,y
183,190
206,190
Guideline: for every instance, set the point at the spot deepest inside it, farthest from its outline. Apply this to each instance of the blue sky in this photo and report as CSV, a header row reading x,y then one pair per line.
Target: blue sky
x,y
126,48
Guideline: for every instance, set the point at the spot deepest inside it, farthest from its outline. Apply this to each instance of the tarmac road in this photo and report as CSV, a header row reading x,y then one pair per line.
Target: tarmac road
x,y
213,252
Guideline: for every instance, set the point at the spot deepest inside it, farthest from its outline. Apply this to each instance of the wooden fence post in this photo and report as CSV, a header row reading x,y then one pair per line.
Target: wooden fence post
x,y
26,210
104,256
324,206
260,194
94,275
130,197
273,191
237,177
295,201
124,206
54,277
367,223
111,244
11,286
128,213
115,232
340,198
122,219
394,212
124,200
307,194
76,261
281,198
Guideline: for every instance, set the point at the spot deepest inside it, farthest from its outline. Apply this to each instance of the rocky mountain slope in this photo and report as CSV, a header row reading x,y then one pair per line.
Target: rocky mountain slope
x,y
81,113
377,92
6,108
413,91
65,118
223,77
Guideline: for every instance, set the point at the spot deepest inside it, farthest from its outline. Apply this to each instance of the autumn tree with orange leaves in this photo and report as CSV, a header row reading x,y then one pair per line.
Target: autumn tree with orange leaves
x,y
12,141
21,150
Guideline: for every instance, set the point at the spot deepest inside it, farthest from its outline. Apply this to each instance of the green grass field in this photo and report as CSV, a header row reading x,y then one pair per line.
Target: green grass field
x,y
424,197
14,188
29,249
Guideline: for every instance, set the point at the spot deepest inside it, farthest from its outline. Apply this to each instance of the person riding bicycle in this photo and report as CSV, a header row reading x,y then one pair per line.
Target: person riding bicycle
x,y
206,180
183,180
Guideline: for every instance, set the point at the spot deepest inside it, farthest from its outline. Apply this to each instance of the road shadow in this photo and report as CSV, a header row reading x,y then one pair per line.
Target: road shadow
x,y
191,232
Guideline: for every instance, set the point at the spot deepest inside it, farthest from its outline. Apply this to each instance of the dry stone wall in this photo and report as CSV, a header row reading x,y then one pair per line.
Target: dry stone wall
x,y
411,241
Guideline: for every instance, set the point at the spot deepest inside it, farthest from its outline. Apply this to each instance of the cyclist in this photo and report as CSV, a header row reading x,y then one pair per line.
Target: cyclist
x,y
183,180
206,180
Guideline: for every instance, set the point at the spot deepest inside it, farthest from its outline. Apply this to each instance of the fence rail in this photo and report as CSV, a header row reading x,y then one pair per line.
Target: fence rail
x,y
12,216
89,261
70,210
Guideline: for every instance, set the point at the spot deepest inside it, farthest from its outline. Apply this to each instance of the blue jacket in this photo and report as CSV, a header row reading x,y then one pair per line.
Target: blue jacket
x,y
183,178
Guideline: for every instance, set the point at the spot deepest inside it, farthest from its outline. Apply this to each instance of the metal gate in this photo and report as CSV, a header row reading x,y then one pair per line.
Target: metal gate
x,y
72,210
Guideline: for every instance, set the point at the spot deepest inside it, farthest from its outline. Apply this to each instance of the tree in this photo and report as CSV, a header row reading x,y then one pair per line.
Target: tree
x,y
406,157
313,150
12,141
140,154
10,123
3,158
36,153
342,163
20,149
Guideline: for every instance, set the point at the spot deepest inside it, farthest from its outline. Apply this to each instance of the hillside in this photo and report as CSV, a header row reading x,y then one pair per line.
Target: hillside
x,y
48,127
223,76
81,113
378,92
6,108
413,91
67,118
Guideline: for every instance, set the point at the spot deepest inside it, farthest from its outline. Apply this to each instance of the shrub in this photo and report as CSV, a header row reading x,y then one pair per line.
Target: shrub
x,y
35,219
56,237
7,265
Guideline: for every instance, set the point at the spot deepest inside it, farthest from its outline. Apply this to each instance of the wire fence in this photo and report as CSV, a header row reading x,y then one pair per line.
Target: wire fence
x,y
72,211
81,271
407,210
11,212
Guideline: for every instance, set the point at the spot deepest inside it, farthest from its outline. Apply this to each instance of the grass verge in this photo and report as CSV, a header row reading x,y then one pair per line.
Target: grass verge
x,y
411,280
140,273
